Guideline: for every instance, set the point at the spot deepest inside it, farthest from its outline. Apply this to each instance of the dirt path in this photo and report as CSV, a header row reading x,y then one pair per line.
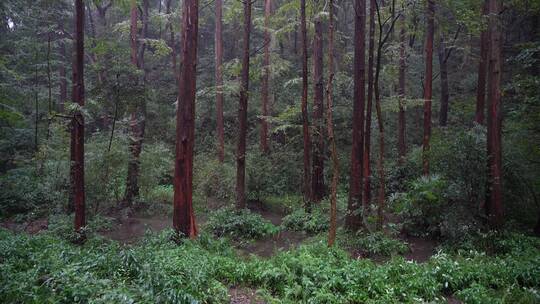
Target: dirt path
x,y
132,229
421,249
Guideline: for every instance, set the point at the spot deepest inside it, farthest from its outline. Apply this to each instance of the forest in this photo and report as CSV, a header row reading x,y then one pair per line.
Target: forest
x,y
270,151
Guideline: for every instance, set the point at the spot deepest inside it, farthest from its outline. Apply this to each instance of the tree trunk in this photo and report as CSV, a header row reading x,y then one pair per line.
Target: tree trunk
x,y
317,174
428,83
482,71
77,122
330,130
266,77
305,119
443,67
62,70
367,137
172,43
242,113
353,220
183,214
219,79
402,146
137,123
494,119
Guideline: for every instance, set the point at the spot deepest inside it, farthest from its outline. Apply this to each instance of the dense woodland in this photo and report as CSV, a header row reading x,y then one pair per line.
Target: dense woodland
x,y
270,151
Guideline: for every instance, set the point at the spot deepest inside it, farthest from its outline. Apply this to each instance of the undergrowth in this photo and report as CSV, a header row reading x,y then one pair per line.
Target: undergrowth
x,y
47,269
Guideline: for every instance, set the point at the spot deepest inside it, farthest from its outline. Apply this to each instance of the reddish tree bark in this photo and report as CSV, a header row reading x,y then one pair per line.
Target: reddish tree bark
x,y
242,113
137,121
443,68
183,214
494,204
219,79
266,77
62,70
428,84
367,137
305,119
330,130
317,173
77,122
172,43
402,146
482,72
353,219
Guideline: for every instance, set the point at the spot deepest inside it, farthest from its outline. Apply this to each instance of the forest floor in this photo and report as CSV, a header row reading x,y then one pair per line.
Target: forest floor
x,y
129,230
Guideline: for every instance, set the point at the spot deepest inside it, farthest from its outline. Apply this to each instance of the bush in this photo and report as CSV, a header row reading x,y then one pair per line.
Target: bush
x,y
239,224
421,206
214,179
379,244
311,222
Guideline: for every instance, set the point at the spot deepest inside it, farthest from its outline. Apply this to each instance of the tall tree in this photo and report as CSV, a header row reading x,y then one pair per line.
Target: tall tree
x,y
77,121
172,43
443,69
495,208
402,146
428,83
219,78
305,119
367,137
62,69
317,173
482,71
242,112
137,123
353,220
266,76
183,214
330,129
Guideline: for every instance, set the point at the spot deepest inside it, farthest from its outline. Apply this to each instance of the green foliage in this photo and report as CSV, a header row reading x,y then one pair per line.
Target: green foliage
x,y
421,206
239,224
214,179
49,269
311,222
380,244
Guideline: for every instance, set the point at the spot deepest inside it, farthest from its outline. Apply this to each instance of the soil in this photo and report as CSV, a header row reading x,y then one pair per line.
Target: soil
x,y
130,230
243,295
31,227
421,249
267,247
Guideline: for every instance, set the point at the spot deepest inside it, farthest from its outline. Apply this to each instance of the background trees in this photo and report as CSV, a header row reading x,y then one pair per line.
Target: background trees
x,y
35,144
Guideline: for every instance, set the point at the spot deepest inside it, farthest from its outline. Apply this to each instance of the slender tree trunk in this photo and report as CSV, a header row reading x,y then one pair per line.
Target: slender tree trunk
x,y
62,70
317,176
77,122
353,220
183,213
402,146
49,86
172,43
494,119
367,138
242,113
136,120
482,71
330,130
443,111
305,119
266,77
219,79
428,83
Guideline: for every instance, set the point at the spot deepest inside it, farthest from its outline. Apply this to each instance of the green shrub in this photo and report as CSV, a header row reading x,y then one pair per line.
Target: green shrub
x,y
239,224
421,206
213,179
312,222
378,243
